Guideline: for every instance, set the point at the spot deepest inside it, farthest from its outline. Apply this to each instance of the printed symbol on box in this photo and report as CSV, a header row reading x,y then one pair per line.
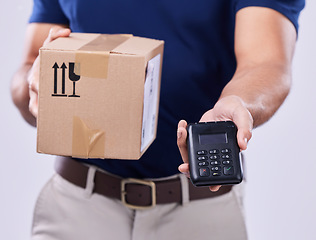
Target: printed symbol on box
x,y
72,77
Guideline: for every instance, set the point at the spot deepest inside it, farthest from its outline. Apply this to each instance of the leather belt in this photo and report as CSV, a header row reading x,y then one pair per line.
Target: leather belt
x,y
134,193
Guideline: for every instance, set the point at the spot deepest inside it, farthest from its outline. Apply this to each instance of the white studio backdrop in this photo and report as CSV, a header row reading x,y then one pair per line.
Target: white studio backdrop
x,y
281,161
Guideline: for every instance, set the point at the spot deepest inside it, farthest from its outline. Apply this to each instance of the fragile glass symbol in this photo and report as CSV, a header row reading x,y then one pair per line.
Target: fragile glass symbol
x,y
73,77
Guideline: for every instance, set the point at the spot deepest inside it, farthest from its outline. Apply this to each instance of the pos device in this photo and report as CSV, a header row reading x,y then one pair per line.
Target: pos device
x,y
214,154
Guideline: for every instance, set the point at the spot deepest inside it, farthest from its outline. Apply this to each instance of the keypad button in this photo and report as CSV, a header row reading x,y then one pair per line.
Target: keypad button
x,y
216,169
226,150
214,151
229,170
227,162
201,152
215,162
201,164
215,174
202,158
204,172
214,157
226,156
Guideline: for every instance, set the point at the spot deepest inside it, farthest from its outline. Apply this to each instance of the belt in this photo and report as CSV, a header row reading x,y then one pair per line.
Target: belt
x,y
134,193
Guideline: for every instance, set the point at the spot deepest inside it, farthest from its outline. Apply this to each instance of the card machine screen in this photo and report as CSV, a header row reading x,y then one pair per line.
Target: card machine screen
x,y
212,138
214,153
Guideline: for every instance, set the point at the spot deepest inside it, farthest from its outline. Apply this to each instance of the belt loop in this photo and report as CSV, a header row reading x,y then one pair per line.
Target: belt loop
x,y
90,182
184,189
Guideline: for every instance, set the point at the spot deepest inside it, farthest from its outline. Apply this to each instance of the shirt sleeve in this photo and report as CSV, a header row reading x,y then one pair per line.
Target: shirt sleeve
x,y
289,8
48,11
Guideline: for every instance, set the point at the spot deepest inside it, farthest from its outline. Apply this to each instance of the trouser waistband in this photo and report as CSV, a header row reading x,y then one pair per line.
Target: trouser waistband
x,y
134,193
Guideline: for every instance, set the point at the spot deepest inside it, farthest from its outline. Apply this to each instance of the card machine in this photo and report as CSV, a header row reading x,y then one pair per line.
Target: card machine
x,y
214,154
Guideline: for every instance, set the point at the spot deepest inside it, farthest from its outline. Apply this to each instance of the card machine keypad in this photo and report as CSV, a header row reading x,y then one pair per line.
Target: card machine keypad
x,y
218,160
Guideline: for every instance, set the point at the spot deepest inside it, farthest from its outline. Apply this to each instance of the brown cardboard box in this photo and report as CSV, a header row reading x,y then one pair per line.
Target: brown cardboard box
x,y
99,96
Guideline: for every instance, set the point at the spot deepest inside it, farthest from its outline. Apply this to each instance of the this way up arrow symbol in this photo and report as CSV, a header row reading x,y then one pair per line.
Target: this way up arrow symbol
x,y
63,78
55,77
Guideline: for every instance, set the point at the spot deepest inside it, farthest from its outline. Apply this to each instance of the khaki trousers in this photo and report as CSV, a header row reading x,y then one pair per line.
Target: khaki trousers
x,y
66,212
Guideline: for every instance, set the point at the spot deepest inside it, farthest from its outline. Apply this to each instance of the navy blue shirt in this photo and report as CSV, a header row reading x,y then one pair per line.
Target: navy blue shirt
x,y
198,59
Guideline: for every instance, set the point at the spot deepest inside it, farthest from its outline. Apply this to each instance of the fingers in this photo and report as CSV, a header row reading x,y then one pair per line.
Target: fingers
x,y
215,188
184,168
182,144
33,87
57,32
33,104
182,140
33,77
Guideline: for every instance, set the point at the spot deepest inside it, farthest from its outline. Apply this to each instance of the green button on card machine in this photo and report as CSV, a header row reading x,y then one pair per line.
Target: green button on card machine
x,y
214,155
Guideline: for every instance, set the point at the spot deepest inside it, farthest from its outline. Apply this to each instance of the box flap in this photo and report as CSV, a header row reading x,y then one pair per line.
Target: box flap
x,y
73,42
88,42
137,45
105,42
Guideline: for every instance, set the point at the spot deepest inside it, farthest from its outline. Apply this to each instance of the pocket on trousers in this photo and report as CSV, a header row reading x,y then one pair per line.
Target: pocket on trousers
x,y
39,207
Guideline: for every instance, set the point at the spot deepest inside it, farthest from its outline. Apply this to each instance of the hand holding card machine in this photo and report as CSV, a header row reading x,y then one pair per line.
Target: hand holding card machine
x,y
214,153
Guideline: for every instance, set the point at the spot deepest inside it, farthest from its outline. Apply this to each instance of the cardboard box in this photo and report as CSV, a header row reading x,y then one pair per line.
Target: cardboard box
x,y
99,96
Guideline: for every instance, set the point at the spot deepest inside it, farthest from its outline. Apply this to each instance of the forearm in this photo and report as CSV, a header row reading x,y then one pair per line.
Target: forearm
x,y
20,93
264,46
262,88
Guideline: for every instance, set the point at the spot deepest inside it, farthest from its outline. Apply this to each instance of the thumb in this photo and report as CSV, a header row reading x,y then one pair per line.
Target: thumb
x,y
243,137
244,123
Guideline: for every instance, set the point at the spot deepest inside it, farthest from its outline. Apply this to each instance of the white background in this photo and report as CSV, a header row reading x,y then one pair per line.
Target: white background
x,y
280,194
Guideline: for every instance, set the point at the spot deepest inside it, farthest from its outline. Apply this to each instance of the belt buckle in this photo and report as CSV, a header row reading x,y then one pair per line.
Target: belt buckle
x,y
151,184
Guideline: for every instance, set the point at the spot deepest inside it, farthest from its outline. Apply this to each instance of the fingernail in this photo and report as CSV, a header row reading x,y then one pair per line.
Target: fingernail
x,y
179,134
246,140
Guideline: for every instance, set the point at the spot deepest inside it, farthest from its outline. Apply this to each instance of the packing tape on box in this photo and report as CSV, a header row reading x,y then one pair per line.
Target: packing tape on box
x,y
86,142
92,65
92,59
